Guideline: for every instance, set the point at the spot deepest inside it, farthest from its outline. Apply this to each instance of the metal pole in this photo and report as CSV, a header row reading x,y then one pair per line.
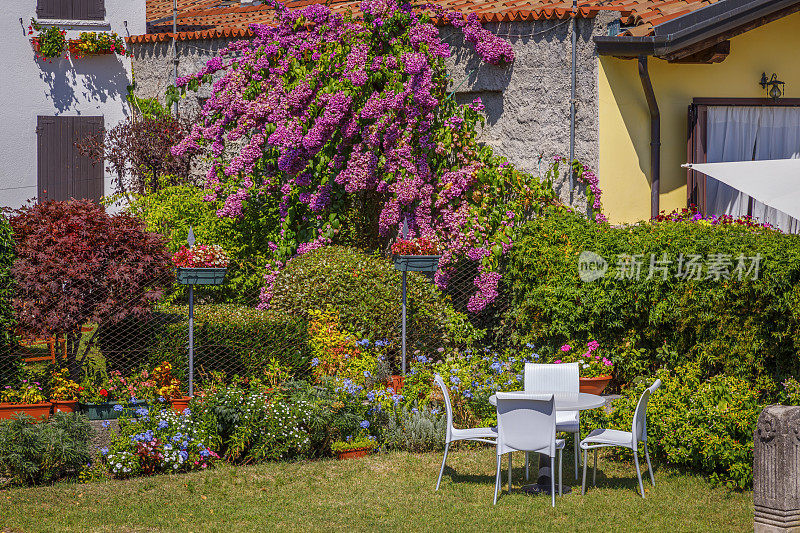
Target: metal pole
x,y
404,323
572,98
190,239
403,345
191,341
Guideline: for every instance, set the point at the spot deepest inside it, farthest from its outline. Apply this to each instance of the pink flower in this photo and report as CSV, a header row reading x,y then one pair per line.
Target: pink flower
x,y
558,361
597,357
566,348
592,345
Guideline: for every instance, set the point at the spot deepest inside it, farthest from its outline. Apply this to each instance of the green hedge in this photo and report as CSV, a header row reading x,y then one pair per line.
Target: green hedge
x,y
748,329
366,292
230,338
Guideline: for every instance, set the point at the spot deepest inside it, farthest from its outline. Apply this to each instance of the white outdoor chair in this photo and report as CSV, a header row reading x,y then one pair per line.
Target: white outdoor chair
x,y
562,377
527,423
487,435
600,438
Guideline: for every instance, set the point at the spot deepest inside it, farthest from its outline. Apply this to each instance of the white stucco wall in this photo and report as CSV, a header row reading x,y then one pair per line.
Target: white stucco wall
x,y
28,87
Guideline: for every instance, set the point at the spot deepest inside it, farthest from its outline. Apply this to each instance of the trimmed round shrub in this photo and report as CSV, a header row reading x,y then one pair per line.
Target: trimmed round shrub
x,y
366,292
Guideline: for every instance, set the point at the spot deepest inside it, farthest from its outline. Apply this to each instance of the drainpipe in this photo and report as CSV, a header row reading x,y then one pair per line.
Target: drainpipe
x,y
572,99
174,47
655,137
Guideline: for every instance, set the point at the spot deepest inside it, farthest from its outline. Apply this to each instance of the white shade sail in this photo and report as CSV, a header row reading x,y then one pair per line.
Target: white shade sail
x,y
774,182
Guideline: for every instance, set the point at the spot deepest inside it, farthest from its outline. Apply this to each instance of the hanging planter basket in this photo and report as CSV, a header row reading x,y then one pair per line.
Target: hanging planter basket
x,y
417,263
201,276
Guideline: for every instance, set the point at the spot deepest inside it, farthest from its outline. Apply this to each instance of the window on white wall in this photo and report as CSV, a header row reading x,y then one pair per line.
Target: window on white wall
x,y
71,9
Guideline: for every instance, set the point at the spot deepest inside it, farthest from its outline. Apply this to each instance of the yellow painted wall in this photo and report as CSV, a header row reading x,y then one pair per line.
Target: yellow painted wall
x,y
625,121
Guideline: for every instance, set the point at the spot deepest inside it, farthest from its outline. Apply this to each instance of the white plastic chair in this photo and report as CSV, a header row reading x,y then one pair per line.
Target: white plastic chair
x,y
600,438
562,377
487,435
527,423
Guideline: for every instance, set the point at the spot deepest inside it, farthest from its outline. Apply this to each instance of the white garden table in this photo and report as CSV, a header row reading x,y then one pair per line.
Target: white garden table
x,y
564,401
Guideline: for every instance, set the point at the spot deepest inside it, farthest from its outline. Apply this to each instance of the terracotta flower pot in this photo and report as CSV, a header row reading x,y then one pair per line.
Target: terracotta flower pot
x,y
36,410
65,406
179,404
594,385
354,453
396,382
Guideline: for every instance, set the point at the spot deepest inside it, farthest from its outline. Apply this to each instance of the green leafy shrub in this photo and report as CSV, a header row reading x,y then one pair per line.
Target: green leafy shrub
x,y
44,452
230,338
171,211
416,430
748,329
706,425
247,425
365,291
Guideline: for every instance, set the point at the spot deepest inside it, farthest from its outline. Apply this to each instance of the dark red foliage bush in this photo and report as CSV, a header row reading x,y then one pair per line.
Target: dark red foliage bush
x,y
75,264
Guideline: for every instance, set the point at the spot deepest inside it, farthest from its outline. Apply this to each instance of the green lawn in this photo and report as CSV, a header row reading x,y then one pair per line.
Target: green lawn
x,y
384,492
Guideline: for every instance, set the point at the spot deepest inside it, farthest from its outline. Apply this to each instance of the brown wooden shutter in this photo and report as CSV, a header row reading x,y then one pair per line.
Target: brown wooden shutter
x,y
47,9
87,173
95,9
696,153
64,173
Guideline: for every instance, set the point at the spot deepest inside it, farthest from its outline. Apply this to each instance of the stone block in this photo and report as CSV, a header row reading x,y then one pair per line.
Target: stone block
x,y
776,470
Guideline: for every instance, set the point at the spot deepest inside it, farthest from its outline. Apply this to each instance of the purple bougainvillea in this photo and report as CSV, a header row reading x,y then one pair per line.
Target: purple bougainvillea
x,y
323,109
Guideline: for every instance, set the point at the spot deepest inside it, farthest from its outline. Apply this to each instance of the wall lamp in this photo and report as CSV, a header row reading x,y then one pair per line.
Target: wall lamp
x,y
773,86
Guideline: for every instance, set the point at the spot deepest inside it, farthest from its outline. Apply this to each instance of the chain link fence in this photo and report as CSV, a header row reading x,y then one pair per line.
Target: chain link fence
x,y
233,337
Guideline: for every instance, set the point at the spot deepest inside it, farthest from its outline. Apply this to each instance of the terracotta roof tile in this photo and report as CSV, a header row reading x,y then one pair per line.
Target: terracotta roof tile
x,y
206,19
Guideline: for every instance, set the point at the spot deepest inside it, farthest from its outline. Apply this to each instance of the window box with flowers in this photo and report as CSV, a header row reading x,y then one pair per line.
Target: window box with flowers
x,y
49,43
416,255
595,368
92,43
28,398
107,400
201,265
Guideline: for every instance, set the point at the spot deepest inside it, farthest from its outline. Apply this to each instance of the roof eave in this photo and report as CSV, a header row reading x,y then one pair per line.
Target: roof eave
x,y
692,28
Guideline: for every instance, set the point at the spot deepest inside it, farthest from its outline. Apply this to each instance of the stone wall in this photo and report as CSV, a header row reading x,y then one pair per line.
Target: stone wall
x,y
527,103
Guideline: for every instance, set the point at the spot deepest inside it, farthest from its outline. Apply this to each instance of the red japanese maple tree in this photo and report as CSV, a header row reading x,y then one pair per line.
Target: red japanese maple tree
x,y
75,263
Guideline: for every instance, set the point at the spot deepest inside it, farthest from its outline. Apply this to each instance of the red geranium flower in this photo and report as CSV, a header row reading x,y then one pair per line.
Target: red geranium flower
x,y
103,392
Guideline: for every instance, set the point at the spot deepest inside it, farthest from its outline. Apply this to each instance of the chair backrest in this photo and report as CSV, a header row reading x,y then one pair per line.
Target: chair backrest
x,y
526,422
561,377
447,406
639,426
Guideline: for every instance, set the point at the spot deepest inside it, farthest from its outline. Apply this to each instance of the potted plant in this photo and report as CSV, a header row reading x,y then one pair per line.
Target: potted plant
x,y
168,387
201,264
64,392
49,43
416,255
595,368
29,398
354,447
93,43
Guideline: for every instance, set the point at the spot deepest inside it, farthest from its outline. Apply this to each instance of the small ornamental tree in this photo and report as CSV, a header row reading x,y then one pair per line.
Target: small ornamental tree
x,y
137,150
75,264
326,111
